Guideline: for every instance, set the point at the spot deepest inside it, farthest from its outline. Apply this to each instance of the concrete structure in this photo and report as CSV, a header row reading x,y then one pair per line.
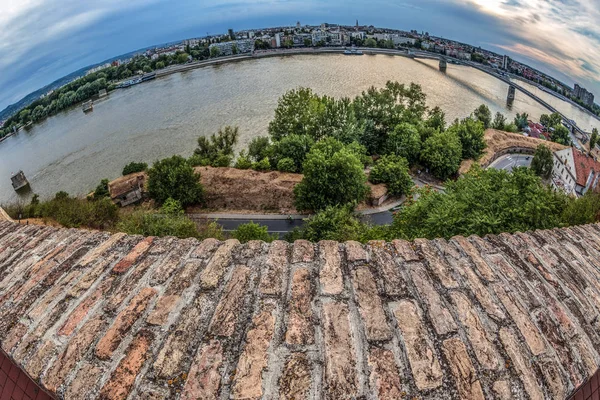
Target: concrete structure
x,y
19,181
575,172
505,62
93,315
443,64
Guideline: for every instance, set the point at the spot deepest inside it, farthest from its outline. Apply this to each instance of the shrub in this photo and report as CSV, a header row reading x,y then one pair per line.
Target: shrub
x,y
393,171
251,231
174,178
243,161
259,148
146,223
134,167
286,165
262,165
172,207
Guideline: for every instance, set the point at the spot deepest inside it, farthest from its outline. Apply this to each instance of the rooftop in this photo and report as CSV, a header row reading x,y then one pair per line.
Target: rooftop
x,y
584,164
94,315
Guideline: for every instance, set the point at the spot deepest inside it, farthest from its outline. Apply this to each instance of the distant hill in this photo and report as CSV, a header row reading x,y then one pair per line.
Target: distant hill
x,y
33,96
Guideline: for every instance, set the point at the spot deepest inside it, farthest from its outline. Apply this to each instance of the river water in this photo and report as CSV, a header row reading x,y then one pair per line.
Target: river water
x,y
73,151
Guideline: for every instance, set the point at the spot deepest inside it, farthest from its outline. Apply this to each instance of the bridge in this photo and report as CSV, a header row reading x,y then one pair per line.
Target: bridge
x,y
512,87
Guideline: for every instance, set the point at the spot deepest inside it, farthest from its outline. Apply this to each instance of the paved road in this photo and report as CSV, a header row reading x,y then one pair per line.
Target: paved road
x,y
510,161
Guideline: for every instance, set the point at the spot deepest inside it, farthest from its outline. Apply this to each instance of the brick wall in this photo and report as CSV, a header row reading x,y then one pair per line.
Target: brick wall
x,y
93,315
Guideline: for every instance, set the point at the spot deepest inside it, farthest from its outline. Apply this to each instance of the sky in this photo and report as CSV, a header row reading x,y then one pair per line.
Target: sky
x,y
44,40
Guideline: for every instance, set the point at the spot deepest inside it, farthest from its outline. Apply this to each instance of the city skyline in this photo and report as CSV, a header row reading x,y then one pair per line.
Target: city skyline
x,y
42,42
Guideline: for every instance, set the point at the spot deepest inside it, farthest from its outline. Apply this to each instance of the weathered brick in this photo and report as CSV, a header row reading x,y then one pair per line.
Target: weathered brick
x,y
129,284
122,379
521,364
90,275
436,263
177,346
442,320
514,278
123,323
553,377
57,292
172,295
247,383
522,320
385,376
204,379
73,352
355,252
384,264
485,350
300,328
405,250
423,361
14,336
39,360
295,379
482,267
214,271
303,251
134,255
227,313
271,281
99,250
480,291
502,390
165,269
465,376
370,305
164,306
81,311
84,382
340,379
562,348
330,275
205,249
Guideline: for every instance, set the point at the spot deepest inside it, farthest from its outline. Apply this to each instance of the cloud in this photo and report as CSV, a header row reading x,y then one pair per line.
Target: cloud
x,y
43,40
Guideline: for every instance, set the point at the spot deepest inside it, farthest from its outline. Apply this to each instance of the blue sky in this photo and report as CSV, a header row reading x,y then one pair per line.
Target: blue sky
x,y
43,40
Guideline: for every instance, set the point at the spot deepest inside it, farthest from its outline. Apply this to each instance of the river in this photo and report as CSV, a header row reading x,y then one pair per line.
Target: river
x,y
73,151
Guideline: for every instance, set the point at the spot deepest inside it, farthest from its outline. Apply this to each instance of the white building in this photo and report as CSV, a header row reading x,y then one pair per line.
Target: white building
x,y
278,40
575,172
226,48
400,40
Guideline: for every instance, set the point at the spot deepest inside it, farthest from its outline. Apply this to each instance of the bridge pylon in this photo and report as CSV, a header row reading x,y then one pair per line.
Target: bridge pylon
x,y
443,65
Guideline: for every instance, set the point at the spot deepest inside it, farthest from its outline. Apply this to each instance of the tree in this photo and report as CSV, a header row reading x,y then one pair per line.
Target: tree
x,y
160,65
182,58
481,202
333,223
442,154
101,190
499,122
471,134
594,139
561,135
393,171
584,210
436,119
215,52
522,120
370,42
551,121
234,49
134,167
259,148
262,165
307,42
218,149
405,142
174,178
333,175
484,115
542,162
251,231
